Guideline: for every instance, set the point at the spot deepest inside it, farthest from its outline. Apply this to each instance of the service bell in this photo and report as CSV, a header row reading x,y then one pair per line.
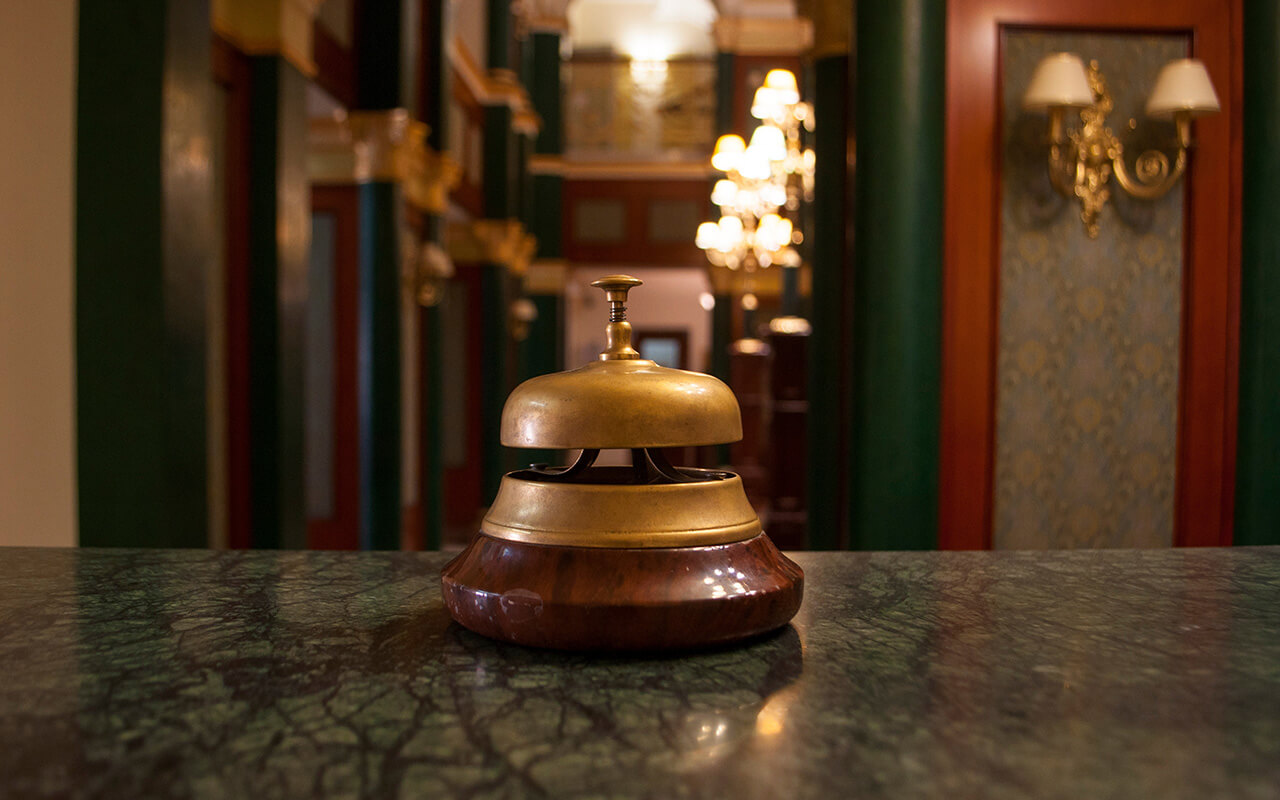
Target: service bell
x,y
647,556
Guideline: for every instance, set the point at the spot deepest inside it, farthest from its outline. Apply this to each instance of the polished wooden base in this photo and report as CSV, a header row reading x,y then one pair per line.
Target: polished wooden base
x,y
597,598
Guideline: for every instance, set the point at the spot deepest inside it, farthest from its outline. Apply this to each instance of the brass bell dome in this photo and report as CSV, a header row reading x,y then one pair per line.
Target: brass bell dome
x,y
622,400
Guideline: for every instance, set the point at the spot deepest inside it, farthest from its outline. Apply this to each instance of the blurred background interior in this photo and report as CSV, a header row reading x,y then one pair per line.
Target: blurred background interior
x,y
269,268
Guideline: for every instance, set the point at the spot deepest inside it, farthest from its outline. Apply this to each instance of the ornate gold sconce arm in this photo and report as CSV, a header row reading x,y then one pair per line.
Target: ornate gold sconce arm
x,y
1153,177
1082,161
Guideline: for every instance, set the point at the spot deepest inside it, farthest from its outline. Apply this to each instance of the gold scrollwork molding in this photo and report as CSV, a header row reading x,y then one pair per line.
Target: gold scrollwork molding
x,y
541,16
504,242
364,146
495,87
763,35
832,25
540,164
762,283
620,170
262,27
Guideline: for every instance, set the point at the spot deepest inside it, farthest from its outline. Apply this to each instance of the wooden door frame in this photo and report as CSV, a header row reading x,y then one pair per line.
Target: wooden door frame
x,y
1205,484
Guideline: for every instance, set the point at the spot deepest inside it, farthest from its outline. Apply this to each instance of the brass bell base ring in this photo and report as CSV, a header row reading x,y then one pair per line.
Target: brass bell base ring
x,y
636,599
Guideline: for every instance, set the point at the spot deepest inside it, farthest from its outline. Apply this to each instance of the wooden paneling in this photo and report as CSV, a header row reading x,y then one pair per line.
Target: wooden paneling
x,y
788,518
1206,446
636,247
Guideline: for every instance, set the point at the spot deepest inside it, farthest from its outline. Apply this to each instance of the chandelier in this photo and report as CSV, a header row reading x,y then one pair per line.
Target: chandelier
x,y
764,180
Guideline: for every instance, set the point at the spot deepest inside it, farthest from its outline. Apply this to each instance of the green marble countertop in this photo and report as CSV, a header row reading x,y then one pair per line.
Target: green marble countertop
x,y
255,674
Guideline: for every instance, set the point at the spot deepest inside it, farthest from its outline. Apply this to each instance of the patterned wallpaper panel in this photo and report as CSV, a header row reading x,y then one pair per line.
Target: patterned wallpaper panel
x,y
613,111
1087,370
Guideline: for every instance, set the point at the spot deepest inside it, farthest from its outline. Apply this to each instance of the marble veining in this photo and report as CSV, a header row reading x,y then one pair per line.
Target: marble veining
x,y
1145,673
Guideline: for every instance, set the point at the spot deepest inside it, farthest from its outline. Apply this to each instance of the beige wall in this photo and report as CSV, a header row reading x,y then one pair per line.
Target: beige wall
x,y
37,367
470,23
669,298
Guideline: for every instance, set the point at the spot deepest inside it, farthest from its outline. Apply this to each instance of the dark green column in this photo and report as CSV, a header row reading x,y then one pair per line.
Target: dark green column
x,y
897,279
432,486
500,38
499,181
495,383
545,216
722,313
434,92
545,91
725,123
545,344
501,201
721,334
1257,518
721,338
144,248
378,89
828,354
379,367
277,289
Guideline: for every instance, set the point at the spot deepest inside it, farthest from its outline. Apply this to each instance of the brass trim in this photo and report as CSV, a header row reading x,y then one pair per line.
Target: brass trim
x,y
629,170
550,16
763,35
363,146
621,516
761,282
495,87
504,242
269,27
832,26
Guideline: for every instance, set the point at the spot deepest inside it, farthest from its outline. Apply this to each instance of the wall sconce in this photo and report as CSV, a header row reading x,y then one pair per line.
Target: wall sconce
x,y
523,313
1082,161
431,270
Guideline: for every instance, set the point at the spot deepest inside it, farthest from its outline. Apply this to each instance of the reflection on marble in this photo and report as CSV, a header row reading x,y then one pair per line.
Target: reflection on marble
x,y
1056,674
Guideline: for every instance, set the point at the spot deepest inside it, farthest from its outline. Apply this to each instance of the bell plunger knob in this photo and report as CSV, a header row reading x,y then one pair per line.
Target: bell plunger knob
x,y
618,332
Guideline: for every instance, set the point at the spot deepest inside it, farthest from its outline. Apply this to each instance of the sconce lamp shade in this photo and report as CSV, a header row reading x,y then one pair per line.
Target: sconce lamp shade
x,y
1058,82
1182,85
